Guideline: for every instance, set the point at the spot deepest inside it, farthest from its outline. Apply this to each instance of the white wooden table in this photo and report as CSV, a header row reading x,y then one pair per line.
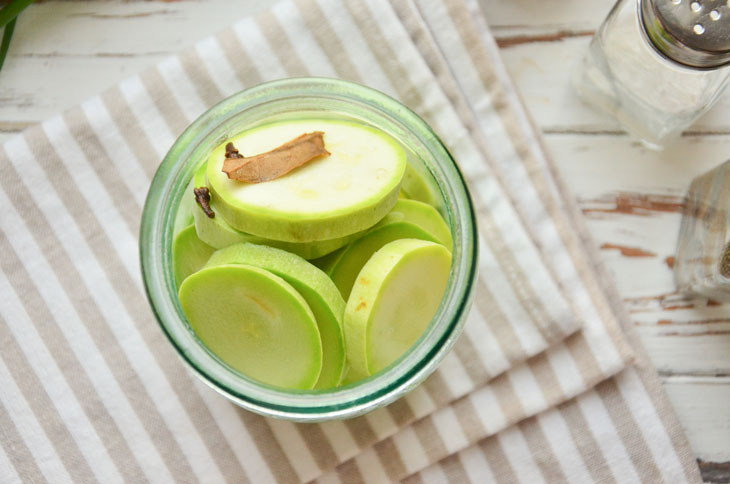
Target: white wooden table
x,y
65,51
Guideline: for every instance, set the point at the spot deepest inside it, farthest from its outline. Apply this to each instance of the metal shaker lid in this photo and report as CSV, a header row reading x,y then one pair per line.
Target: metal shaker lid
x,y
695,33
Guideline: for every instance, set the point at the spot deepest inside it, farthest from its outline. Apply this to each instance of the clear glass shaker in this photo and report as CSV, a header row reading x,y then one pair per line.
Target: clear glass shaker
x,y
702,265
657,65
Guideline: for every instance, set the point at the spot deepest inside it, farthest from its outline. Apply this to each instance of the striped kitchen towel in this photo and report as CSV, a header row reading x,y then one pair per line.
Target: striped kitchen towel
x,y
79,300
624,430
93,392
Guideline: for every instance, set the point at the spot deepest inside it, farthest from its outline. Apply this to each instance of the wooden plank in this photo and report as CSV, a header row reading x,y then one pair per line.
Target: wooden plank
x,y
63,37
63,52
694,349
545,14
703,407
632,198
118,27
36,88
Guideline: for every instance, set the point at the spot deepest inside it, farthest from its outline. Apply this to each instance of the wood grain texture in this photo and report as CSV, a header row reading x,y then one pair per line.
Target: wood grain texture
x,y
693,399
65,51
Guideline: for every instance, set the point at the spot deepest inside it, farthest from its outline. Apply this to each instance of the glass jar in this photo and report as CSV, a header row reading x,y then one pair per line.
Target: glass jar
x,y
702,265
320,98
657,65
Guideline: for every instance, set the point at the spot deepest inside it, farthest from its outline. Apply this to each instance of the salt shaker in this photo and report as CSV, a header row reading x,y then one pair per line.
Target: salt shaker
x,y
657,65
702,264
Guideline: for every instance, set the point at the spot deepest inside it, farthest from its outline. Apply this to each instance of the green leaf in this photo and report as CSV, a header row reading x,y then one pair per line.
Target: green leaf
x,y
11,10
7,35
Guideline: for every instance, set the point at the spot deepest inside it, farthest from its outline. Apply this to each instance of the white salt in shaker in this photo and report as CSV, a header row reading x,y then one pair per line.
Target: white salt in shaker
x,y
657,65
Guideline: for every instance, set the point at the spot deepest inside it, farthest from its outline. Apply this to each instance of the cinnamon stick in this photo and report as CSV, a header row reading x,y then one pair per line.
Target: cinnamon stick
x,y
275,163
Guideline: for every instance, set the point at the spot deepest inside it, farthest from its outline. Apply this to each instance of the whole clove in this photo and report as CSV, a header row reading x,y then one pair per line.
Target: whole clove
x,y
202,196
232,152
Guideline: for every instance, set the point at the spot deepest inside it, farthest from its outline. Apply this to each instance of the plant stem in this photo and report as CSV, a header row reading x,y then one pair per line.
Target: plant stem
x,y
11,10
7,35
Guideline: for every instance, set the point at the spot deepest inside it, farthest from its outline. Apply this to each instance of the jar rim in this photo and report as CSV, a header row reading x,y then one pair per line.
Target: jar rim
x,y
164,196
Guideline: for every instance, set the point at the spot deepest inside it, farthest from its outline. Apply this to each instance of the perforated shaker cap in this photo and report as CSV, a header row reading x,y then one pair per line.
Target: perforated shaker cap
x,y
695,33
